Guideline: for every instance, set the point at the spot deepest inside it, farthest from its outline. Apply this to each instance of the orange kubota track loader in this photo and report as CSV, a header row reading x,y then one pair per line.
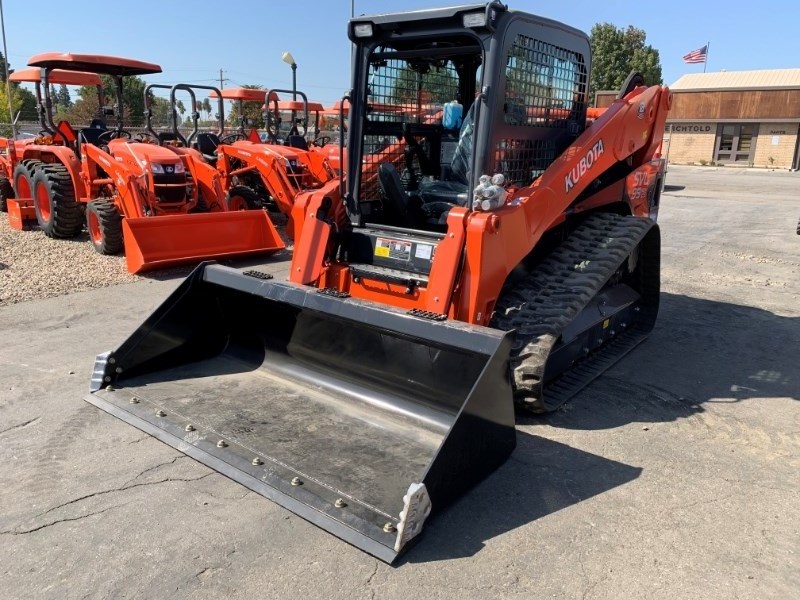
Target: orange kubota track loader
x,y
133,194
379,383
16,172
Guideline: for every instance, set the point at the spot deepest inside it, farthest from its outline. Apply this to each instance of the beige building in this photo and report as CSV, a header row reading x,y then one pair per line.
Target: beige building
x,y
733,118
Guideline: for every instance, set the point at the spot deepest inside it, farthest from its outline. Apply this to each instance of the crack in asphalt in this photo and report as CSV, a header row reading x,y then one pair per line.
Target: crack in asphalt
x,y
64,520
20,425
368,583
153,468
122,488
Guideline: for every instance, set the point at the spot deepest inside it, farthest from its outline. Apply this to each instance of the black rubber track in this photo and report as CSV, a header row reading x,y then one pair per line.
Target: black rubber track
x,y
551,296
6,193
110,224
66,215
248,194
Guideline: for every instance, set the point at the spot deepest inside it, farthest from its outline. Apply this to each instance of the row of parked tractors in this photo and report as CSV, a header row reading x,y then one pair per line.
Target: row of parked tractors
x,y
160,196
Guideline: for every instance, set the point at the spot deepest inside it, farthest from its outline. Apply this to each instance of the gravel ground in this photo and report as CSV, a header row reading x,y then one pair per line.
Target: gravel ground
x,y
34,266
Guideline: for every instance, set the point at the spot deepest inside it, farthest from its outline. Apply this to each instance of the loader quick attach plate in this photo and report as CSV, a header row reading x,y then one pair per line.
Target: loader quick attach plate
x,y
359,418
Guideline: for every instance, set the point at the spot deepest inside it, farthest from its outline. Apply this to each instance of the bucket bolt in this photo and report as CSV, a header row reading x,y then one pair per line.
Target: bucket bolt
x,y
389,528
160,413
190,427
222,444
257,461
340,503
134,400
296,481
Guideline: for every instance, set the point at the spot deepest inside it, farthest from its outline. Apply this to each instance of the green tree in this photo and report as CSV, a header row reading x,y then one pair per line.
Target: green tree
x,y
206,106
23,103
64,99
86,108
54,96
3,68
616,52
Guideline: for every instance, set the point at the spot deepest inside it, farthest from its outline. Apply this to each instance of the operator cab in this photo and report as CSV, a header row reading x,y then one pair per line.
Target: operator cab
x,y
519,86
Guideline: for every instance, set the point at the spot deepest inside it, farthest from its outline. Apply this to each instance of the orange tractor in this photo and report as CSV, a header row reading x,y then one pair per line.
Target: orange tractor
x,y
518,259
133,194
276,173
16,174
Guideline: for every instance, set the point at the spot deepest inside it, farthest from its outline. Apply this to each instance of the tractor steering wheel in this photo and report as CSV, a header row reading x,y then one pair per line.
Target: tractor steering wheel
x,y
232,137
113,134
145,137
322,140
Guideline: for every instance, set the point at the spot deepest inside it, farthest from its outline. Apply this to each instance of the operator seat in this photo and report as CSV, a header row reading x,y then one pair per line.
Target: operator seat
x,y
453,187
207,146
90,135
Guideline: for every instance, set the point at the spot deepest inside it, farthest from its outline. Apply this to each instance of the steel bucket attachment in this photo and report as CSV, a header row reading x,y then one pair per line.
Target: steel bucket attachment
x,y
358,418
169,240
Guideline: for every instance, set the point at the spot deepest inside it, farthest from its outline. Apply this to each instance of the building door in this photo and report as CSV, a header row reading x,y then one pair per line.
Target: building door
x,y
736,143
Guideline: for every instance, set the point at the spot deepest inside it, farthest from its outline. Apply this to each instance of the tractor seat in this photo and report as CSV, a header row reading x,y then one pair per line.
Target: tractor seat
x,y
90,135
167,136
297,141
453,187
407,209
207,146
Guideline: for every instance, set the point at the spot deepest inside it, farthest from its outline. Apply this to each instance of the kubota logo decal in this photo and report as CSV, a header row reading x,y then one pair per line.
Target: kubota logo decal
x,y
585,163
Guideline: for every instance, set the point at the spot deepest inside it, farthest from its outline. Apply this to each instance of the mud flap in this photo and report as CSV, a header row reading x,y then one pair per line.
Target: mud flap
x,y
169,240
360,418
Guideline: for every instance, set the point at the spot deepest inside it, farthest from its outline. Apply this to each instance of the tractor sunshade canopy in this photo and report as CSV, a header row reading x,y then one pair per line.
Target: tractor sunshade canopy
x,y
94,63
245,94
34,75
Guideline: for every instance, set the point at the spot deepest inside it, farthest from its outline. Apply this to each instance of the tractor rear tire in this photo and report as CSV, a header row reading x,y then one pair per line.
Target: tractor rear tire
x,y
22,177
57,212
105,226
6,193
241,197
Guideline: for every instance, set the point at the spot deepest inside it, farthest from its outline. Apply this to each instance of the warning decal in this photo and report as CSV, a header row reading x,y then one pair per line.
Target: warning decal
x,y
396,249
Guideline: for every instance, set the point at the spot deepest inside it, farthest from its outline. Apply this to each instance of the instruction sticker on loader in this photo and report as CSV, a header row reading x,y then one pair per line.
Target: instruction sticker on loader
x,y
396,249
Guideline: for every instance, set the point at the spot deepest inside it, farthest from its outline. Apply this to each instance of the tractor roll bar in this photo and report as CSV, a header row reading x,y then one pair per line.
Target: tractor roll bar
x,y
195,114
148,111
305,104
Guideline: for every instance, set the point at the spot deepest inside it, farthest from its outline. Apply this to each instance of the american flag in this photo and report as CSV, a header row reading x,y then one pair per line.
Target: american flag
x,y
696,56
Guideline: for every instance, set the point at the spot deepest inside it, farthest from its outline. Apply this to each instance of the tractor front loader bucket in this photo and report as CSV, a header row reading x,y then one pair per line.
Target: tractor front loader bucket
x,y
169,240
359,418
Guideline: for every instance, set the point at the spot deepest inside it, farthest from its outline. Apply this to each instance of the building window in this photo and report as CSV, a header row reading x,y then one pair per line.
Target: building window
x,y
736,143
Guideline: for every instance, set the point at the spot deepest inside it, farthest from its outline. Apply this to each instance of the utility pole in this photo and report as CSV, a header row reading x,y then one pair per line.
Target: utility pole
x,y
8,83
221,80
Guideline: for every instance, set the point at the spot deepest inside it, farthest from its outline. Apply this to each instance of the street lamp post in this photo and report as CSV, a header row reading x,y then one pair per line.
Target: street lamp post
x,y
289,60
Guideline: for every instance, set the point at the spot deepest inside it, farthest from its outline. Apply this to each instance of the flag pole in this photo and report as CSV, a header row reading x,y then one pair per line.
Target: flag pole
x,y
705,62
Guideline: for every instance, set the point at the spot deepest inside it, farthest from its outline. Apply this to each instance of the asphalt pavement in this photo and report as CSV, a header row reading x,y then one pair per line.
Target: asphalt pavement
x,y
674,475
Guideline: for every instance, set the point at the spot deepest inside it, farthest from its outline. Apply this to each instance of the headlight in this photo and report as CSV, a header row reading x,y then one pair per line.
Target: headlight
x,y
179,168
474,19
362,30
156,169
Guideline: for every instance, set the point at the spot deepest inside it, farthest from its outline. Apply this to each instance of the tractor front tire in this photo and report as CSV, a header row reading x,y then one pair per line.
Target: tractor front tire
x,y
6,193
105,226
59,215
241,197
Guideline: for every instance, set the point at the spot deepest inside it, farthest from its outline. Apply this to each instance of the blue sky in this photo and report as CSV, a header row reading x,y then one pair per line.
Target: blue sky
x,y
193,40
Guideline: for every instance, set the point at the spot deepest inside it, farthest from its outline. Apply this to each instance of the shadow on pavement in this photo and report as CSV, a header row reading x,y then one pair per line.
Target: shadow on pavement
x,y
540,478
701,351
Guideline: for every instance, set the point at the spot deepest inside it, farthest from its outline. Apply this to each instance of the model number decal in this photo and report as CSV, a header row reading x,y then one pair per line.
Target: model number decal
x,y
584,164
